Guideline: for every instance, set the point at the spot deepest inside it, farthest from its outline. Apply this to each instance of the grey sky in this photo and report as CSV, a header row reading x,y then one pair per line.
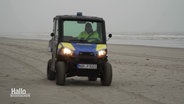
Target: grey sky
x,y
120,15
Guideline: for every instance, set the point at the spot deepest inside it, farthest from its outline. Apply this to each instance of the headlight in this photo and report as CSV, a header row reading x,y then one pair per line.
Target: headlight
x,y
66,51
101,53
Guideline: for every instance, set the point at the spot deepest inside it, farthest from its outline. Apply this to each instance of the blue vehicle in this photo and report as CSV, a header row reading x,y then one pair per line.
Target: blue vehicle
x,y
78,48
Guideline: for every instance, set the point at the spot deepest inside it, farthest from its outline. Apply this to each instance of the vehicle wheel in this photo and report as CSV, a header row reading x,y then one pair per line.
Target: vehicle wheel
x,y
92,78
60,73
50,73
106,77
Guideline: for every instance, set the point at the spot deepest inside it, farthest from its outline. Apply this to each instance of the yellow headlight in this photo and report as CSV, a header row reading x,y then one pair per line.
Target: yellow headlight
x,y
66,51
101,53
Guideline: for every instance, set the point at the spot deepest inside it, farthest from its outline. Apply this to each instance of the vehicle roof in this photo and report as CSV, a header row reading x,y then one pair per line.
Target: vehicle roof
x,y
74,17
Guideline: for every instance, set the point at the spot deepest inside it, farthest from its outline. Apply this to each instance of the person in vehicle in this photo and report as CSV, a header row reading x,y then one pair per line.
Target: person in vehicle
x,y
89,34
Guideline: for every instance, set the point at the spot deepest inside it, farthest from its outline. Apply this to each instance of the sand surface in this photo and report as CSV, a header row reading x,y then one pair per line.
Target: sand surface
x,y
141,75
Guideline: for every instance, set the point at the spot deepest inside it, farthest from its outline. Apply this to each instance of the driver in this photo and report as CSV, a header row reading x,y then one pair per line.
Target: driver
x,y
88,34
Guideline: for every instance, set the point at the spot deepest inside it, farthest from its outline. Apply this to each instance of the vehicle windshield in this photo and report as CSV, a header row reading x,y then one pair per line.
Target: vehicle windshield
x,y
82,31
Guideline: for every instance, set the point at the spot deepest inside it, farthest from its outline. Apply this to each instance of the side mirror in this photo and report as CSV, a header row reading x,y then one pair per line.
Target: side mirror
x,y
110,35
52,34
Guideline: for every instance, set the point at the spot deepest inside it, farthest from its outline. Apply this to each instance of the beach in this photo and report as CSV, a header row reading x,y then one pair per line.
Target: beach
x,y
141,75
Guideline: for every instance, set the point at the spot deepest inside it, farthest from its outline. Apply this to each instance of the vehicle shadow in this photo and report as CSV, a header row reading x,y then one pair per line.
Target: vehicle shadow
x,y
73,81
82,82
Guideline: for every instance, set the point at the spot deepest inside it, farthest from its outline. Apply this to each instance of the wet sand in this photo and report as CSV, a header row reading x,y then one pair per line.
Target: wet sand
x,y
141,75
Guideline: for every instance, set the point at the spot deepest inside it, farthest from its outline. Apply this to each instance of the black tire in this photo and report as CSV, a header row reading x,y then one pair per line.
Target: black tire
x,y
106,77
92,78
60,73
50,73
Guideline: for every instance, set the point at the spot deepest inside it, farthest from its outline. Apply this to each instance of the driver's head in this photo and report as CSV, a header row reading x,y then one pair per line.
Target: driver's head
x,y
88,28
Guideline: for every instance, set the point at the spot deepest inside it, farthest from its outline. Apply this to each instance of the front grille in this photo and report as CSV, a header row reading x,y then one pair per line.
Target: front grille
x,y
86,59
86,54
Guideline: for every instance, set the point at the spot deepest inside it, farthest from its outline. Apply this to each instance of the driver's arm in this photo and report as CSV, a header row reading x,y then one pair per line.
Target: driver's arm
x,y
82,35
95,35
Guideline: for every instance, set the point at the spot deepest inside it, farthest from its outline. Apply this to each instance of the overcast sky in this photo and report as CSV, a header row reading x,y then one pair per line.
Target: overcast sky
x,y
120,15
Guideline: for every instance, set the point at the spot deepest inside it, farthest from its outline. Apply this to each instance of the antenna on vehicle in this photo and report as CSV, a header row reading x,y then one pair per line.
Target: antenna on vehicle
x,y
79,13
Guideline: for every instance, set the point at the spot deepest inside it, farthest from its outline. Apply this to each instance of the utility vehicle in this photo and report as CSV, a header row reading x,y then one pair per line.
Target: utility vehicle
x,y
74,56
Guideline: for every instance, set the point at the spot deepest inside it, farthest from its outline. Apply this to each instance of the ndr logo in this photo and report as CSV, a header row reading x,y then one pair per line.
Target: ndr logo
x,y
20,92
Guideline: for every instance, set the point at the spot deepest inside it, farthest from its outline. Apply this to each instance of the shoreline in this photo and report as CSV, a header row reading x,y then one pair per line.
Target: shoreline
x,y
107,43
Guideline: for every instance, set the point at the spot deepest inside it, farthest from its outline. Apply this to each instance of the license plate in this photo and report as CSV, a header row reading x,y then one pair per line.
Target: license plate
x,y
87,66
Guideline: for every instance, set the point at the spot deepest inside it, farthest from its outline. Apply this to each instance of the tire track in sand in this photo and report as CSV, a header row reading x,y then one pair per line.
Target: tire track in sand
x,y
21,60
